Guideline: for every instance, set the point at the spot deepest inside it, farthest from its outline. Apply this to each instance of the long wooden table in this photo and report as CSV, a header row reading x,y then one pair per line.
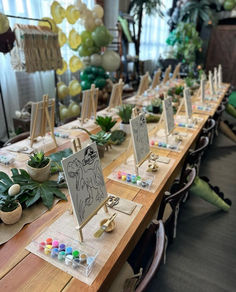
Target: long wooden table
x,y
24,271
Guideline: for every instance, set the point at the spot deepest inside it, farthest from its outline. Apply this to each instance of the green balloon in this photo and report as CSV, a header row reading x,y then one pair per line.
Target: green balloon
x,y
85,35
229,5
100,82
88,70
94,70
83,76
106,76
89,42
85,84
83,52
91,77
101,71
90,51
101,36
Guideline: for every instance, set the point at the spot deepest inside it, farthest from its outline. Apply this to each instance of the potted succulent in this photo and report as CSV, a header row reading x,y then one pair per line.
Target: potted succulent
x,y
156,105
10,210
125,113
38,167
106,123
102,140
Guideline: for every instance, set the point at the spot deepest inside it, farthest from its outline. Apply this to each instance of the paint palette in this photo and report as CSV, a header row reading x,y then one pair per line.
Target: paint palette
x,y
133,179
67,253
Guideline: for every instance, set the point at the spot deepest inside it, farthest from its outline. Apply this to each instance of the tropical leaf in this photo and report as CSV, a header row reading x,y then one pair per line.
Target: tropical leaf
x,y
56,159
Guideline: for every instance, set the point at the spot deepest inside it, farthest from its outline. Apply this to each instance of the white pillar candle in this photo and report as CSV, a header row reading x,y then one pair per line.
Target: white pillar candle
x,y
220,75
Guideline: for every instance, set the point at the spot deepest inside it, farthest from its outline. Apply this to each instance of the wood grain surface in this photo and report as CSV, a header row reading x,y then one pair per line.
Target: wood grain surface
x,y
23,271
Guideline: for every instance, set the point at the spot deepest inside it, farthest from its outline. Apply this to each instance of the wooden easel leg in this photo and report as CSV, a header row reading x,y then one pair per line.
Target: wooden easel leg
x,y
105,208
81,235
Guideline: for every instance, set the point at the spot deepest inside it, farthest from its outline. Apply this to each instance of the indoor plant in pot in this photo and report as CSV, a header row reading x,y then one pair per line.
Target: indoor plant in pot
x,y
38,167
10,210
102,140
106,123
125,113
156,105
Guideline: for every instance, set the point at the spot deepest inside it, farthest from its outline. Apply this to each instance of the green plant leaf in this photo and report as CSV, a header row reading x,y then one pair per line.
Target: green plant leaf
x,y
32,200
56,159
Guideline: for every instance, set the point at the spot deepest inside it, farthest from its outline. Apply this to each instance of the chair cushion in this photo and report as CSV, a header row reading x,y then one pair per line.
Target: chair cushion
x,y
202,189
125,273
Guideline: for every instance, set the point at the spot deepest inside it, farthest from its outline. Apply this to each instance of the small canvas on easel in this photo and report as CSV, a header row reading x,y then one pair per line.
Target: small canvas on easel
x,y
168,115
42,118
85,182
116,95
89,103
143,84
140,138
188,103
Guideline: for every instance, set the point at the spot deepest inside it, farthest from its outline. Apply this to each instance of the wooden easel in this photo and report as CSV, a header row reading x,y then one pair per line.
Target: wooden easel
x,y
116,95
167,75
143,85
41,112
79,228
89,104
130,147
176,73
156,79
76,144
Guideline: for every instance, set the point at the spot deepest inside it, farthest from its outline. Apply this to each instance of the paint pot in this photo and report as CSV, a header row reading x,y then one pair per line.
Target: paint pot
x,y
119,175
47,249
69,259
49,240
75,254
69,250
54,252
61,256
75,263
83,258
42,245
55,243
62,247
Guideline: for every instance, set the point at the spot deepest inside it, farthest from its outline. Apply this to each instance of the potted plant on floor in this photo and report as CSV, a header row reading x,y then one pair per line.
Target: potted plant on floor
x,y
106,123
125,113
10,210
38,167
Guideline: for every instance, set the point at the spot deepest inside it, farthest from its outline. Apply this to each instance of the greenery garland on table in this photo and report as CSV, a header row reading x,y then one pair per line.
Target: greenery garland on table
x,y
30,190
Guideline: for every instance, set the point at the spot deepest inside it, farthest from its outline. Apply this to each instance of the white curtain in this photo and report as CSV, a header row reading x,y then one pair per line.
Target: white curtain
x,y
155,31
38,83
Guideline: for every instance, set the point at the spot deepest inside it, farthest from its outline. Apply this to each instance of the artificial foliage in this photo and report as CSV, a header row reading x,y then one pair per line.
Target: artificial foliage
x,y
106,123
117,137
8,204
101,138
185,41
125,112
38,160
56,159
30,190
200,12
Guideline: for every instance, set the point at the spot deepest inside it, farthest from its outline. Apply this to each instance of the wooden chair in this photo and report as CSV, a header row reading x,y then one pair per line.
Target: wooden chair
x,y
17,138
144,260
217,117
169,208
209,129
193,158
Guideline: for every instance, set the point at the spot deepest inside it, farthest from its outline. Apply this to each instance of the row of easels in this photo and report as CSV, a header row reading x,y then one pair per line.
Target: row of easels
x,y
89,104
42,119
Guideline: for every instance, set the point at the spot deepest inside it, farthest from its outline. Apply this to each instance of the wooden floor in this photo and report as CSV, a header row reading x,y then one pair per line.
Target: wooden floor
x,y
203,256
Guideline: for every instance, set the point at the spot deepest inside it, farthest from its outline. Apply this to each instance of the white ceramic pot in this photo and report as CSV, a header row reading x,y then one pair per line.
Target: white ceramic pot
x,y
11,217
125,128
39,174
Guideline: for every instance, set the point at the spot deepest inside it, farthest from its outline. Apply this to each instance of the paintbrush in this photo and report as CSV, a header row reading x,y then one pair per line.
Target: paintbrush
x,y
100,231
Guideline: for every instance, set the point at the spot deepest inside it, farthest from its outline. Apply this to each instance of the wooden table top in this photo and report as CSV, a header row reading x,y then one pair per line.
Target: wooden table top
x,y
22,270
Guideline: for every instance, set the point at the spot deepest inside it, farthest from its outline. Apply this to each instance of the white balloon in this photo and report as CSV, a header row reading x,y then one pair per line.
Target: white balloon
x,y
98,21
98,10
96,60
110,61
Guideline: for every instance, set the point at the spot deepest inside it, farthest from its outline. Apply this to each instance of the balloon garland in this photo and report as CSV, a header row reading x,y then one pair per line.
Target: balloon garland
x,y
87,46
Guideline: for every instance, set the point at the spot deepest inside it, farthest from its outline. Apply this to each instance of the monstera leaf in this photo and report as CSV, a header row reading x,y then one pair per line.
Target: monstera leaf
x,y
56,159
31,191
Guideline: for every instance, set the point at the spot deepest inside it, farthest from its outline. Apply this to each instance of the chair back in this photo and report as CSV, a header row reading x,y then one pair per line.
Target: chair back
x,y
174,200
17,138
148,253
193,157
209,129
217,116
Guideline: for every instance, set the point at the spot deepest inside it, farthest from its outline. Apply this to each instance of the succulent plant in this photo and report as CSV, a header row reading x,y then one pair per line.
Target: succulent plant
x,y
106,123
101,138
156,102
117,137
8,204
125,112
38,160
